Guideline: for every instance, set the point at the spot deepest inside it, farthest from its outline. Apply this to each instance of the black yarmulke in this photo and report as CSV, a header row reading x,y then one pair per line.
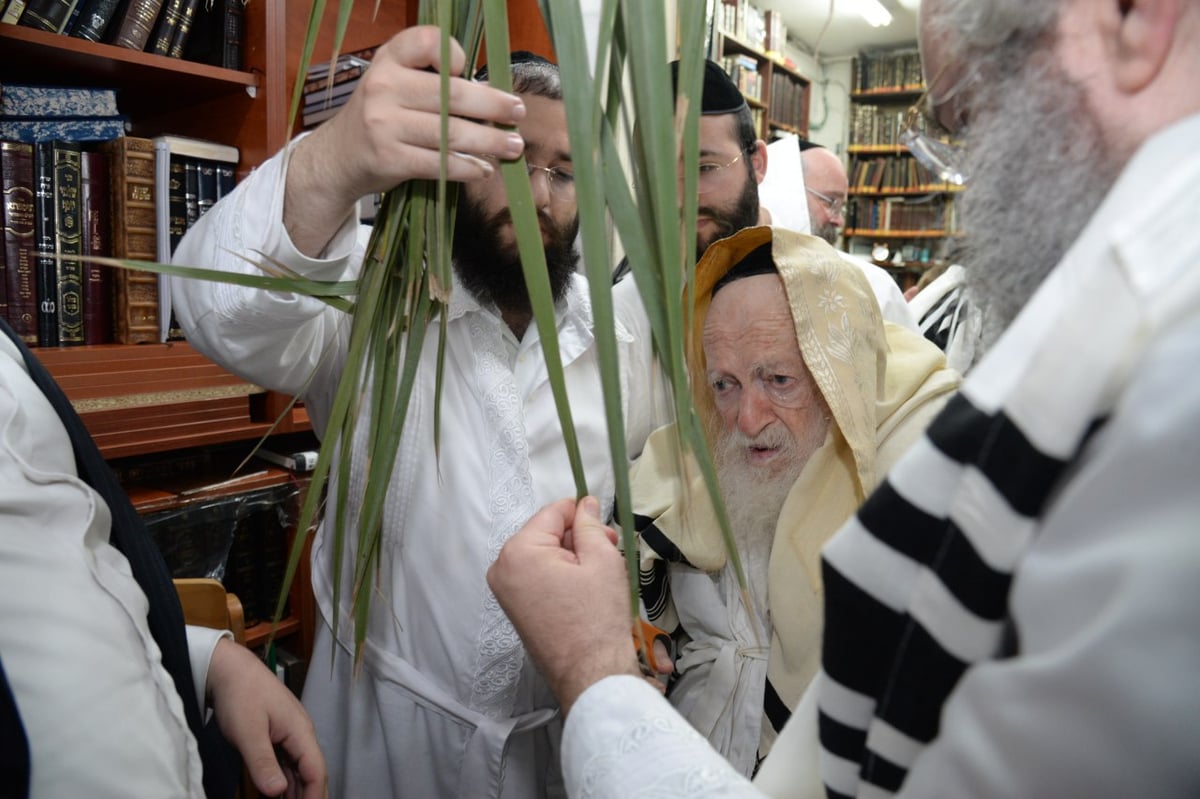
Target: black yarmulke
x,y
757,262
720,95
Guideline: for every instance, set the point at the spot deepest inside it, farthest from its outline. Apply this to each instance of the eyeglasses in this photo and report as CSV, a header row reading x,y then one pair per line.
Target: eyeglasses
x,y
834,205
930,142
561,181
710,173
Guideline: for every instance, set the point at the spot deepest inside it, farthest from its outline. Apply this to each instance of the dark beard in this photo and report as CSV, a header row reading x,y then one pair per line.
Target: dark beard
x,y
1039,168
743,214
491,271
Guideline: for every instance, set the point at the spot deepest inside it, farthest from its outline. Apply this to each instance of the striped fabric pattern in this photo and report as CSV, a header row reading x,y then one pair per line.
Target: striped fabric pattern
x,y
916,590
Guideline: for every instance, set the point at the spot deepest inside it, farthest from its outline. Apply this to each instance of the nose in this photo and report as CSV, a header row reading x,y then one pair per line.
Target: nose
x,y
838,219
539,182
754,410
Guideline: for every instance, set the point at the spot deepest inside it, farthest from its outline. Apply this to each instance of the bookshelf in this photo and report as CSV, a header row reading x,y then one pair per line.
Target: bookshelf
x,y
897,209
778,96
163,403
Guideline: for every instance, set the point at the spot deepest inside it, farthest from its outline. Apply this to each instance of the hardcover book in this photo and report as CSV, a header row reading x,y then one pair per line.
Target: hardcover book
x,y
134,237
24,100
165,27
68,240
35,129
94,19
43,234
135,26
95,205
47,15
173,154
16,181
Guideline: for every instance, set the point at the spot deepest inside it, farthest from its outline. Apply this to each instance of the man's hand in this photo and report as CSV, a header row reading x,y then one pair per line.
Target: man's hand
x,y
561,580
389,131
257,714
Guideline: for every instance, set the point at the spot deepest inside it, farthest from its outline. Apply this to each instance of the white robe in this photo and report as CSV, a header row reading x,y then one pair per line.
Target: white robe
x,y
445,704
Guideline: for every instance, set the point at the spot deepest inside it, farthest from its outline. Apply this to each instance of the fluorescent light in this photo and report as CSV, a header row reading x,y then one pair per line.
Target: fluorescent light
x,y
873,12
911,5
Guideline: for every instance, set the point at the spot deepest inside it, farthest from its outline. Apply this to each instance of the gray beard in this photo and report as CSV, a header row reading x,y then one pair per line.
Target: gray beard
x,y
754,495
1039,169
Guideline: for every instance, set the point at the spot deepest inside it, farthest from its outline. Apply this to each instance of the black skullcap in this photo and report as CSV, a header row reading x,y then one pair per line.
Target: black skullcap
x,y
516,57
757,262
720,95
805,144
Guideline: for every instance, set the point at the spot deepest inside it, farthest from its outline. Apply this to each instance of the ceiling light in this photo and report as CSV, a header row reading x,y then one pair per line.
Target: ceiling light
x,y
911,5
873,12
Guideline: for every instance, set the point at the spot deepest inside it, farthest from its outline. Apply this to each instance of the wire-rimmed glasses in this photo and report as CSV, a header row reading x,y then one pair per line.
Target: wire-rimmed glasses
x,y
836,206
930,142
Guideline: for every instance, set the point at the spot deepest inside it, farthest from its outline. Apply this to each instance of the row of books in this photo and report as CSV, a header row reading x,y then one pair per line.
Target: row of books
x,y
129,198
787,100
877,125
744,21
240,539
328,86
890,71
206,31
930,213
743,70
894,174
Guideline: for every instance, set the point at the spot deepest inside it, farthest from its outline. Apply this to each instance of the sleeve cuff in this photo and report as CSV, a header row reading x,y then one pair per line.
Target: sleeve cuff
x,y
201,643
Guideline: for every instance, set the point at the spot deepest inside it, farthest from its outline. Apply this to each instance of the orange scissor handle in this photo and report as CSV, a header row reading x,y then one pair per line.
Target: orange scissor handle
x,y
648,635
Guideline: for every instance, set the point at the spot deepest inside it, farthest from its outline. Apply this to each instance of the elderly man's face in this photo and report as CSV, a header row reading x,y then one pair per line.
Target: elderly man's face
x,y
772,414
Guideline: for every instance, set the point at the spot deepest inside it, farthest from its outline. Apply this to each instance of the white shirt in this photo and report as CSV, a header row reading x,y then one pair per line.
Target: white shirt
x,y
445,674
101,714
1102,699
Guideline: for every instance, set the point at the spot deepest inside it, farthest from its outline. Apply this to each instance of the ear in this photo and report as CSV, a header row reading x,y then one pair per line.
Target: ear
x,y
758,159
1143,40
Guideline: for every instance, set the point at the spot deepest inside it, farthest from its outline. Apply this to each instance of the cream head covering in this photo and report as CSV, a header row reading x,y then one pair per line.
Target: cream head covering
x,y
882,383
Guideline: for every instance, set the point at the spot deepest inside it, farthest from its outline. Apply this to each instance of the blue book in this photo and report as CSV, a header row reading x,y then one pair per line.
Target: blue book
x,y
35,129
22,100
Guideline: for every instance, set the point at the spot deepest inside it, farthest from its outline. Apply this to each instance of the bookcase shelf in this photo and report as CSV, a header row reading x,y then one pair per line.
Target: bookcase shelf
x,y
895,203
782,103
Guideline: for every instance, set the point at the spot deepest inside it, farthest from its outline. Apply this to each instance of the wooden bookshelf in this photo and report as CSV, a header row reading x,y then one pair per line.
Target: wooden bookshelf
x,y
884,85
783,94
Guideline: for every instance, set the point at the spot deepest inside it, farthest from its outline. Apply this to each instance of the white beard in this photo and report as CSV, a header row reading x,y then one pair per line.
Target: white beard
x,y
754,495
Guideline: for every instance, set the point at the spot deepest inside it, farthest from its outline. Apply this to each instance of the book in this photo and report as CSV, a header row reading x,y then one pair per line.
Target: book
x,y
47,15
134,237
172,155
43,233
216,36
165,27
35,129
16,181
24,100
94,19
183,29
135,26
95,205
68,240
13,12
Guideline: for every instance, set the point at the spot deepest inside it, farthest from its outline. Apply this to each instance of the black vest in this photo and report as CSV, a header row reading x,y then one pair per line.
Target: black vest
x,y
165,618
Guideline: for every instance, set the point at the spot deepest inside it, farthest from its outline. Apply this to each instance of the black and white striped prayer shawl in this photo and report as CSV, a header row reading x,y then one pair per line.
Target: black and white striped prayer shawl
x,y
926,579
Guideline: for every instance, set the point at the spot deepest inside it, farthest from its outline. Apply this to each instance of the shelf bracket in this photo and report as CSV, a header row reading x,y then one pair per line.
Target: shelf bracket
x,y
252,91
